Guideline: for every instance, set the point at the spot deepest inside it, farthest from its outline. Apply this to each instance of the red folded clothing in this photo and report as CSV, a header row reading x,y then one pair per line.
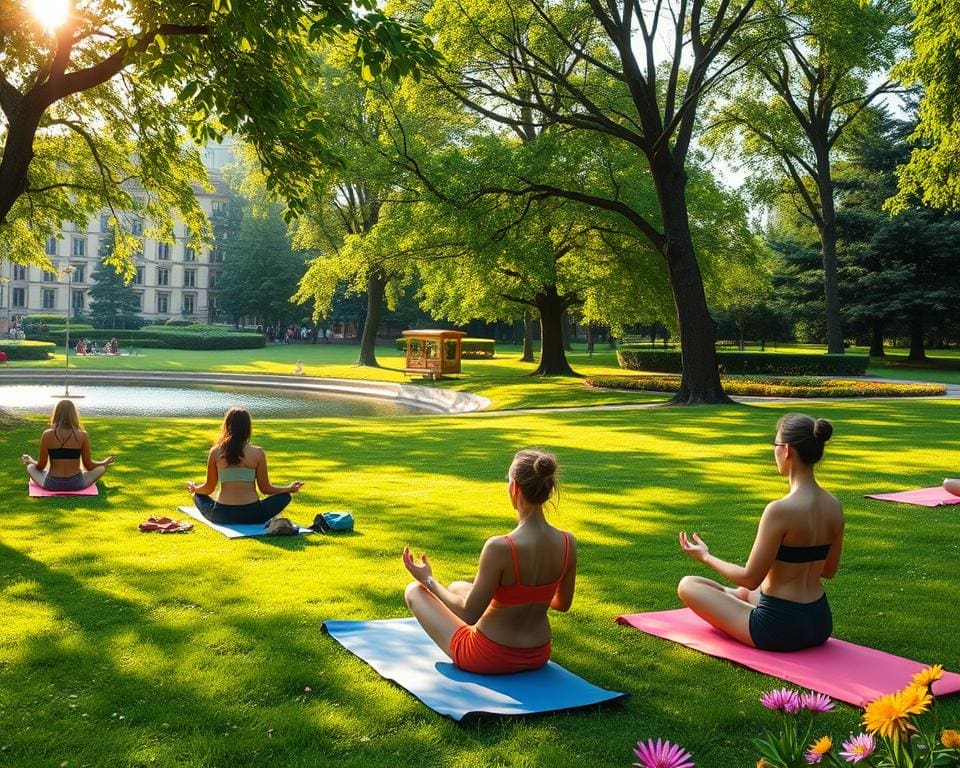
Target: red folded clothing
x,y
164,525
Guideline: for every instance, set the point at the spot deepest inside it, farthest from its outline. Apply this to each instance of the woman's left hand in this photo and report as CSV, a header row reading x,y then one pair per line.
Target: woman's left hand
x,y
695,547
422,571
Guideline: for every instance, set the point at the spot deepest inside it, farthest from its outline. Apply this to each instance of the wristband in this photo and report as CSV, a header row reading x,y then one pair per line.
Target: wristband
x,y
430,582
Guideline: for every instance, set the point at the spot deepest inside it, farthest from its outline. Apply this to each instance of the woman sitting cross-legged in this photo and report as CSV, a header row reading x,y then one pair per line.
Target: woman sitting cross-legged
x,y
237,466
798,543
65,463
497,624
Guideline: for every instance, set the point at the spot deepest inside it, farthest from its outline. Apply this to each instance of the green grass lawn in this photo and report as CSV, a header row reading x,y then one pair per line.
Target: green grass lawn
x,y
127,649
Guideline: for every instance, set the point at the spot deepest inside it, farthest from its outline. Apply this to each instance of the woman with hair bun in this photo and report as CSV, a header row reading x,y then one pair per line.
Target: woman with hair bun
x,y
497,623
779,603
240,468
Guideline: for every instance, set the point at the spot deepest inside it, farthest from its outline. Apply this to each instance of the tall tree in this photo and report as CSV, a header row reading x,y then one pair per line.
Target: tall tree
x,y
113,301
261,270
933,173
633,74
793,105
86,103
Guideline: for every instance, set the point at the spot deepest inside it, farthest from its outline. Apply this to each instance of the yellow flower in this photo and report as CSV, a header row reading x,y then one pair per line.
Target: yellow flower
x,y
887,716
821,746
915,699
926,677
949,738
761,763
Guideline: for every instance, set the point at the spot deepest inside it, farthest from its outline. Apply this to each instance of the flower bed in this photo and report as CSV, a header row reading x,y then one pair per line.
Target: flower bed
x,y
27,350
777,386
634,358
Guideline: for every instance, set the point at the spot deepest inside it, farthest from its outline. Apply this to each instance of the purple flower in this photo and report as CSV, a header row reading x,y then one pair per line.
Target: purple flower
x,y
858,748
662,754
782,699
813,757
816,702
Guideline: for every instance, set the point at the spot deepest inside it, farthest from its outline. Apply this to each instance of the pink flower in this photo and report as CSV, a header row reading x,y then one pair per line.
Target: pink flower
x,y
816,702
813,757
858,748
662,754
781,699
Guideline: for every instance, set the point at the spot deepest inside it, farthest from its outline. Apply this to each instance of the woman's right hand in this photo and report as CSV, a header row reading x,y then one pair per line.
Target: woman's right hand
x,y
192,486
295,486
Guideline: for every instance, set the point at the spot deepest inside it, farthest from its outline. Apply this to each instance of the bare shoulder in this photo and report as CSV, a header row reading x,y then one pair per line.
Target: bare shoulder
x,y
496,545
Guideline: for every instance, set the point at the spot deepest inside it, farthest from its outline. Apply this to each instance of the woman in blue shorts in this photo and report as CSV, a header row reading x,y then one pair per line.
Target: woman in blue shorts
x,y
779,603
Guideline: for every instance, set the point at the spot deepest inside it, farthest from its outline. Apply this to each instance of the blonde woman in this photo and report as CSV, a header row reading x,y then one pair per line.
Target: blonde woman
x,y
65,463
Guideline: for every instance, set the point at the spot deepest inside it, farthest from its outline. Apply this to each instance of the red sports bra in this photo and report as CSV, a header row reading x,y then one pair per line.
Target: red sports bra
x,y
525,594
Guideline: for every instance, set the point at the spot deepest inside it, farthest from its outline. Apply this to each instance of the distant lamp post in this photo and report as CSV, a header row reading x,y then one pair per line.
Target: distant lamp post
x,y
68,271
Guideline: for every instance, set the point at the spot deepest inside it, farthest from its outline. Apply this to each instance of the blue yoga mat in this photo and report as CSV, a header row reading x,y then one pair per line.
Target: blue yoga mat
x,y
232,530
399,650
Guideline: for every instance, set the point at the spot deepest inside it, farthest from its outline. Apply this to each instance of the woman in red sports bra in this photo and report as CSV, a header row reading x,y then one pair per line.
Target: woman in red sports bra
x,y
497,624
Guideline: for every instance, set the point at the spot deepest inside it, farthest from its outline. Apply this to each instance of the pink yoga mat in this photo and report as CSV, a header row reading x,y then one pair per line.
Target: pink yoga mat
x,y
38,491
924,497
848,672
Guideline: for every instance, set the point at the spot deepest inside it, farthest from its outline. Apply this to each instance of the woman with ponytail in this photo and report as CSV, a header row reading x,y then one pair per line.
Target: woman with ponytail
x,y
497,623
779,603
240,468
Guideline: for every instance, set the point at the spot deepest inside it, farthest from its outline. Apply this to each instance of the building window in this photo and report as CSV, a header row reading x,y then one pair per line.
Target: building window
x,y
105,222
136,227
163,251
188,304
78,246
189,254
77,300
189,278
80,273
212,280
139,295
49,298
19,297
51,249
163,303
138,279
19,272
163,277
218,206
216,255
49,277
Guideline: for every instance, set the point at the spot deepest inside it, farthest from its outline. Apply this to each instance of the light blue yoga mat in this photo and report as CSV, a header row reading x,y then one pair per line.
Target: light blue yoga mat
x,y
399,650
233,530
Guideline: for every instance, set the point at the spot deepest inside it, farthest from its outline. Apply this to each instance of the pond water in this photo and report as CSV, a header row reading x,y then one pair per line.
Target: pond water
x,y
205,401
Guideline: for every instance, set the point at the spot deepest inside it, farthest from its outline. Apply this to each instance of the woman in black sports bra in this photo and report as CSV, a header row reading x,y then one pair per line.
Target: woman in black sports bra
x,y
65,454
780,604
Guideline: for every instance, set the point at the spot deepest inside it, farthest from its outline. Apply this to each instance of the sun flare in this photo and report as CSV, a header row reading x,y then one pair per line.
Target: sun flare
x,y
50,13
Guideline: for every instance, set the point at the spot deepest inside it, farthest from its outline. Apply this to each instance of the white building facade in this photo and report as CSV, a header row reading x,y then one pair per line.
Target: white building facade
x,y
173,280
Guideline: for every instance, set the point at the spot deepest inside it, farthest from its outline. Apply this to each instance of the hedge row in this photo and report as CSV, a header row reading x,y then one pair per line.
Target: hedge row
x,y
166,339
775,363
774,386
470,349
27,350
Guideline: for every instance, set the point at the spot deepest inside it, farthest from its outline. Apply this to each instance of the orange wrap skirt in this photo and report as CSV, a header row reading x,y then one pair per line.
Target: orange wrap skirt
x,y
473,651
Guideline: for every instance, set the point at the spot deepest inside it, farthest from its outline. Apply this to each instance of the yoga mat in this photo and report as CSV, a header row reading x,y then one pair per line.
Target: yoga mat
x,y
233,530
937,496
399,650
38,491
845,671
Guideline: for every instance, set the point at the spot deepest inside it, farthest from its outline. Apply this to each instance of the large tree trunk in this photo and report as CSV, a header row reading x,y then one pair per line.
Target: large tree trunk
x,y
17,154
700,379
876,338
828,248
376,286
528,328
917,352
553,359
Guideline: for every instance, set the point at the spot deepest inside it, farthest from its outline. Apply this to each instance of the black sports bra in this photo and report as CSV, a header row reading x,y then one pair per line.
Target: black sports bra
x,y
788,554
64,453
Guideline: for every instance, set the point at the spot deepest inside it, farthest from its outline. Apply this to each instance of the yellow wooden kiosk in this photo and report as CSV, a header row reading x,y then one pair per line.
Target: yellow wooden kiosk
x,y
433,353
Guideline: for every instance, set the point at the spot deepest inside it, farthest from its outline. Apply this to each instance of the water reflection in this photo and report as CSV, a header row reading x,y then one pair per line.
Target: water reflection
x,y
209,400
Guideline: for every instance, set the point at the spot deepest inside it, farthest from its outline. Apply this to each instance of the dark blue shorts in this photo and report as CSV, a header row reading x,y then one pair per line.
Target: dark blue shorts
x,y
784,625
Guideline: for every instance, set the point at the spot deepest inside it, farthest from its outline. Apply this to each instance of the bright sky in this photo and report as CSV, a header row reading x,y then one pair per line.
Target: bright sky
x,y
50,13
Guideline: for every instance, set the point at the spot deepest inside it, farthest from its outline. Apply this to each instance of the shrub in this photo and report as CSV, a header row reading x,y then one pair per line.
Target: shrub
x,y
773,386
176,338
470,349
27,350
731,362
48,319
